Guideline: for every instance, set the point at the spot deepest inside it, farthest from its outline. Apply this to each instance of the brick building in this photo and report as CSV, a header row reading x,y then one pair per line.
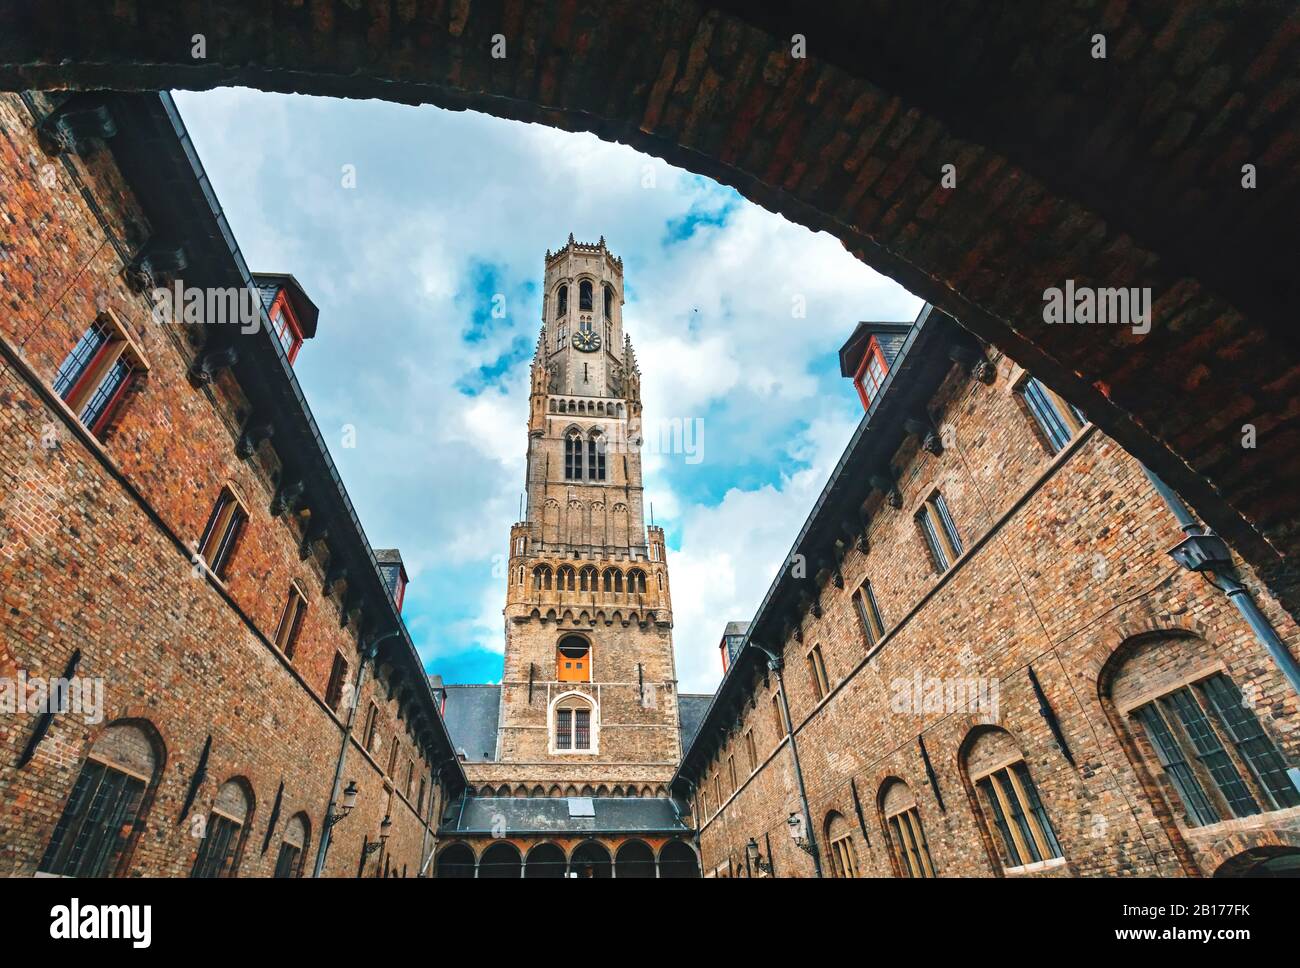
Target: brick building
x,y
979,658
174,532
568,759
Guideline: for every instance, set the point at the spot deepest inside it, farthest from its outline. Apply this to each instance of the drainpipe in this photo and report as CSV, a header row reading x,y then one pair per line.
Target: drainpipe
x,y
774,663
367,657
1205,552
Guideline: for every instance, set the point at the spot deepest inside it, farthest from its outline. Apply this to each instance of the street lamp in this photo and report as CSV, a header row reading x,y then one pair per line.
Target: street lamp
x,y
349,802
756,860
384,829
795,825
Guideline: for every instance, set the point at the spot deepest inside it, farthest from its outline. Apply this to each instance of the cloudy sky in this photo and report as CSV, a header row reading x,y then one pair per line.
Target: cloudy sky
x,y
403,223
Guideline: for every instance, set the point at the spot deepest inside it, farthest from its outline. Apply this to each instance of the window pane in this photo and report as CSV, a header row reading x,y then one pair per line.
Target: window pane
x,y
948,525
74,366
1010,855
98,403
1036,808
563,729
1251,741
1049,418
1199,808
582,729
932,540
1017,817
1211,752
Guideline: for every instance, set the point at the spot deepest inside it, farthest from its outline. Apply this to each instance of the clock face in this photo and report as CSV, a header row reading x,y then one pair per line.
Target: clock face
x,y
586,341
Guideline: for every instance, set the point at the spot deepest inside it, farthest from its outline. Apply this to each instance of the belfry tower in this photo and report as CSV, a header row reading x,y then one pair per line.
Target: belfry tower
x,y
588,694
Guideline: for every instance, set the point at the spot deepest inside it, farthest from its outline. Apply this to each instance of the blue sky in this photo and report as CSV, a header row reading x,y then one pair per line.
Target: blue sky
x,y
405,224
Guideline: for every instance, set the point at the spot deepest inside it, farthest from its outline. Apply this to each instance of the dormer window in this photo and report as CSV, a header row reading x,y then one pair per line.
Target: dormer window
x,y
871,373
292,315
393,572
286,328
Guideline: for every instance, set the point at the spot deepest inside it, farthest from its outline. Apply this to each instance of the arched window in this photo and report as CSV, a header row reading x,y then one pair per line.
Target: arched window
x,y
293,848
609,301
456,860
613,581
636,581
587,579
542,578
574,725
573,659
596,456
839,840
903,829
1217,760
584,296
562,302
565,579
573,456
1008,801
225,832
107,804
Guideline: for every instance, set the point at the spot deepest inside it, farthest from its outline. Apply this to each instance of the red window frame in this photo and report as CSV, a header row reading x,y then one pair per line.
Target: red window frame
x,y
872,352
282,314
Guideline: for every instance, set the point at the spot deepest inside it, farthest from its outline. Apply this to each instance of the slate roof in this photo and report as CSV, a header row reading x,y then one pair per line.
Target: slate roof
x,y
691,709
471,716
484,815
733,628
890,336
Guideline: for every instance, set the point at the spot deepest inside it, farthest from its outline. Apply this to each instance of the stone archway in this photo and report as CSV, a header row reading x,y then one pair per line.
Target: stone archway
x,y
1273,861
590,859
634,859
1127,170
456,860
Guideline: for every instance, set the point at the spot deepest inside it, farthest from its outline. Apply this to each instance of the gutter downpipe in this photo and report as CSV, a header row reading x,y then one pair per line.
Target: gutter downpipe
x,y
367,657
774,663
1226,580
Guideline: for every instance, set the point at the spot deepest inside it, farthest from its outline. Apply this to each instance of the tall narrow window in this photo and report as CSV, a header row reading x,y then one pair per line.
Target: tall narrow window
x,y
562,302
573,456
1057,418
286,634
839,838
817,672
596,457
609,302
870,375
940,532
392,758
104,808
224,833
751,751
225,524
1010,799
338,677
293,848
584,296
372,727
905,832
731,773
873,626
778,717
97,373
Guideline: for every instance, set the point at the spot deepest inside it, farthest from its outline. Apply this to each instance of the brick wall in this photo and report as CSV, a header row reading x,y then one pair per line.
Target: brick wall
x,y
1065,562
95,540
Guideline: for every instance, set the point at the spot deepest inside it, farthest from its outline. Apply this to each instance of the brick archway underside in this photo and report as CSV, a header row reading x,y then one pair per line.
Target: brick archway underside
x,y
1125,171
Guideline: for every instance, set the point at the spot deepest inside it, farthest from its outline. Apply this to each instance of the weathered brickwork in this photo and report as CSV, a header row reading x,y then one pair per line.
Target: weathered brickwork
x,y
96,541
1122,170
1064,571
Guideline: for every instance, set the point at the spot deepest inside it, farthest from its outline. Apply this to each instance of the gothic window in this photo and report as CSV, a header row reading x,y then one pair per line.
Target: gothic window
x,y
839,839
903,830
636,581
225,524
97,373
574,725
338,679
1058,420
225,832
562,303
573,659
596,457
817,672
1008,801
561,339
293,848
372,724
587,579
613,580
584,296
939,531
565,579
573,456
609,302
106,806
542,578
873,626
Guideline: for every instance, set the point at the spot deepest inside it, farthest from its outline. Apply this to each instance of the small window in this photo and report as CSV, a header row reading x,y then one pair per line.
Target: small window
x,y
293,848
372,727
751,751
97,373
609,302
286,328
873,626
1057,418
286,634
731,773
392,757
566,579
225,832
817,671
871,373
704,802
573,726
410,778
839,839
338,677
778,717
542,576
940,532
717,788
562,302
225,525
584,296
419,800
